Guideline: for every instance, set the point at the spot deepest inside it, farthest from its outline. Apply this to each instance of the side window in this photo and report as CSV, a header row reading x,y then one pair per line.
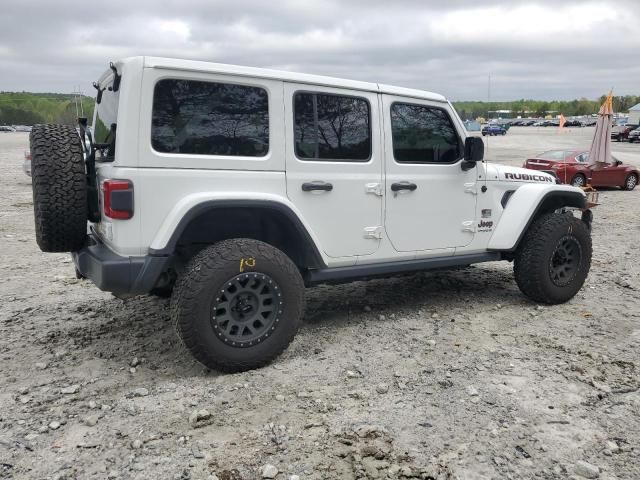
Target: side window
x,y
423,134
207,118
332,127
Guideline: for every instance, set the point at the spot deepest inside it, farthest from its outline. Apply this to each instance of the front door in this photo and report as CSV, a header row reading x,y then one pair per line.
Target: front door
x,y
334,166
430,200
608,176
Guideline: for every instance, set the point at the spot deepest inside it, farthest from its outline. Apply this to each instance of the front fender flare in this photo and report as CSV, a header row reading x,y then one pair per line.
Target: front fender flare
x,y
525,205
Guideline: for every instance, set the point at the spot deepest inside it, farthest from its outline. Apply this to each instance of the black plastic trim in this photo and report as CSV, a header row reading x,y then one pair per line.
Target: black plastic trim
x,y
265,204
506,197
114,273
347,274
572,199
321,186
396,187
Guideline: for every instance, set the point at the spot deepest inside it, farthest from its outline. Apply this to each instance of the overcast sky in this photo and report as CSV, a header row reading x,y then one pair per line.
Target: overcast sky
x,y
532,49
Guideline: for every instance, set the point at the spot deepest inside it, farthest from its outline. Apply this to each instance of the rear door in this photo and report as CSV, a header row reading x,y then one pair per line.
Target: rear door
x,y
334,165
430,201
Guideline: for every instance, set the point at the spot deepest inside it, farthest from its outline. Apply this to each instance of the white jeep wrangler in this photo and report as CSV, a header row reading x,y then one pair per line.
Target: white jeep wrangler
x,y
233,188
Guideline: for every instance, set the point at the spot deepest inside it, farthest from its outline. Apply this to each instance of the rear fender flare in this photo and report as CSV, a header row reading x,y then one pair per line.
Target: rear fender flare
x,y
189,208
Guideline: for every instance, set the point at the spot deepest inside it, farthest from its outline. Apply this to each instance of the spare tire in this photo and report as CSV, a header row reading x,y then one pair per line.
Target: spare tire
x,y
59,187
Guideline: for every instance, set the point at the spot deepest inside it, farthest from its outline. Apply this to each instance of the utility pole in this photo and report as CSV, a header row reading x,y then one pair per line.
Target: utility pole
x,y
488,96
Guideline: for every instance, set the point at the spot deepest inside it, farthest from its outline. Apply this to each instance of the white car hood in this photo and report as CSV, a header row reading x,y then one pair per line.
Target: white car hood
x,y
505,173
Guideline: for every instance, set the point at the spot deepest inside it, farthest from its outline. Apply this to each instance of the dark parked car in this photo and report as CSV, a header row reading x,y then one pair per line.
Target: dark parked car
x,y
634,135
493,129
620,133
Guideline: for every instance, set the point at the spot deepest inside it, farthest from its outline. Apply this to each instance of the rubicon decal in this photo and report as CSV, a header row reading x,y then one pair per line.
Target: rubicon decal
x,y
528,177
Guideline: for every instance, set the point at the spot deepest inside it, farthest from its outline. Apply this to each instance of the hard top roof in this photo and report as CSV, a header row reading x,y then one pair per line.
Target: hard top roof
x,y
209,67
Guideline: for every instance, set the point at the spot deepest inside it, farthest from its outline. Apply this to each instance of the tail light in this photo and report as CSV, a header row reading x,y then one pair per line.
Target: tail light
x,y
118,199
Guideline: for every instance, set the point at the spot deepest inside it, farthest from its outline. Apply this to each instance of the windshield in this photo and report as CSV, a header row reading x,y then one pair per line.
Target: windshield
x,y
104,123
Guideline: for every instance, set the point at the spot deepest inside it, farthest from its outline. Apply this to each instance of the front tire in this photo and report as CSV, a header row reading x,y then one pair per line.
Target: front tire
x,y
553,260
238,305
630,182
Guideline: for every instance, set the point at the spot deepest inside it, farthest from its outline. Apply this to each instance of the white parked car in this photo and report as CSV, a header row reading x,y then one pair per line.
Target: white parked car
x,y
236,187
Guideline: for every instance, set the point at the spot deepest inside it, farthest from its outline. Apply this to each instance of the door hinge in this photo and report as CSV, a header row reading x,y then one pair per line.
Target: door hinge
x,y
373,232
468,226
375,188
470,188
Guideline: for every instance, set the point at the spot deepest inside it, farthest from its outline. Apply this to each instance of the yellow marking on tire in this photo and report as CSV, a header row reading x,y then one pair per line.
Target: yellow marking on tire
x,y
247,262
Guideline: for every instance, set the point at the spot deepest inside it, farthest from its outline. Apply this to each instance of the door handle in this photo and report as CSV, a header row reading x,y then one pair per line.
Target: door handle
x,y
322,186
396,187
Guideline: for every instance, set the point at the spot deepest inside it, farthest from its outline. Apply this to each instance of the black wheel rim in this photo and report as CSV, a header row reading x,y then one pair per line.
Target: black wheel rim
x,y
565,261
247,309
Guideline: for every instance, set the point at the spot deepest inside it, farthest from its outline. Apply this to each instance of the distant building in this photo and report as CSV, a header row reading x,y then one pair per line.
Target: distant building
x,y
634,115
499,113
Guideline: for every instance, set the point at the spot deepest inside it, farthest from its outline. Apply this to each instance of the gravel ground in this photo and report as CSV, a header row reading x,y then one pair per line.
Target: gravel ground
x,y
436,375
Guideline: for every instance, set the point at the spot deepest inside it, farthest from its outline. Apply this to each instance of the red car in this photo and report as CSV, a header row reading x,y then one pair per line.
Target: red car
x,y
571,167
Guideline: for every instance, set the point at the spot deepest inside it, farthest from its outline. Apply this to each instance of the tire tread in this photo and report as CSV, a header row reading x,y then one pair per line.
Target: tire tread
x,y
59,188
531,254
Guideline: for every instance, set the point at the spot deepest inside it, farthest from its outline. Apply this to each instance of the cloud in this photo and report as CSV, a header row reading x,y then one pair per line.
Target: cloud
x,y
531,49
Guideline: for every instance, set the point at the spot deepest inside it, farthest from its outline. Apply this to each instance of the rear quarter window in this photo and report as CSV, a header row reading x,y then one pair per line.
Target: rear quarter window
x,y
210,118
104,124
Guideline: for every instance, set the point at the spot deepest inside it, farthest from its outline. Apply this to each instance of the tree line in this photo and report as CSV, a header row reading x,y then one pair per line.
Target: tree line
x,y
24,108
540,108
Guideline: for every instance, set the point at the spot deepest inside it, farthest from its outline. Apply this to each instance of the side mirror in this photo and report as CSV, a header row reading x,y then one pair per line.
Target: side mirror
x,y
473,152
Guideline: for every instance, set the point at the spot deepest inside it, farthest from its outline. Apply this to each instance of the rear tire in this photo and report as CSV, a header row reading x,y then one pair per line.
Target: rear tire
x,y
578,180
553,259
59,186
238,304
630,182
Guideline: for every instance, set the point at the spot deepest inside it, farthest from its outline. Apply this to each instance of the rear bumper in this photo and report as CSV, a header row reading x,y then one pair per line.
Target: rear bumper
x,y
114,273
